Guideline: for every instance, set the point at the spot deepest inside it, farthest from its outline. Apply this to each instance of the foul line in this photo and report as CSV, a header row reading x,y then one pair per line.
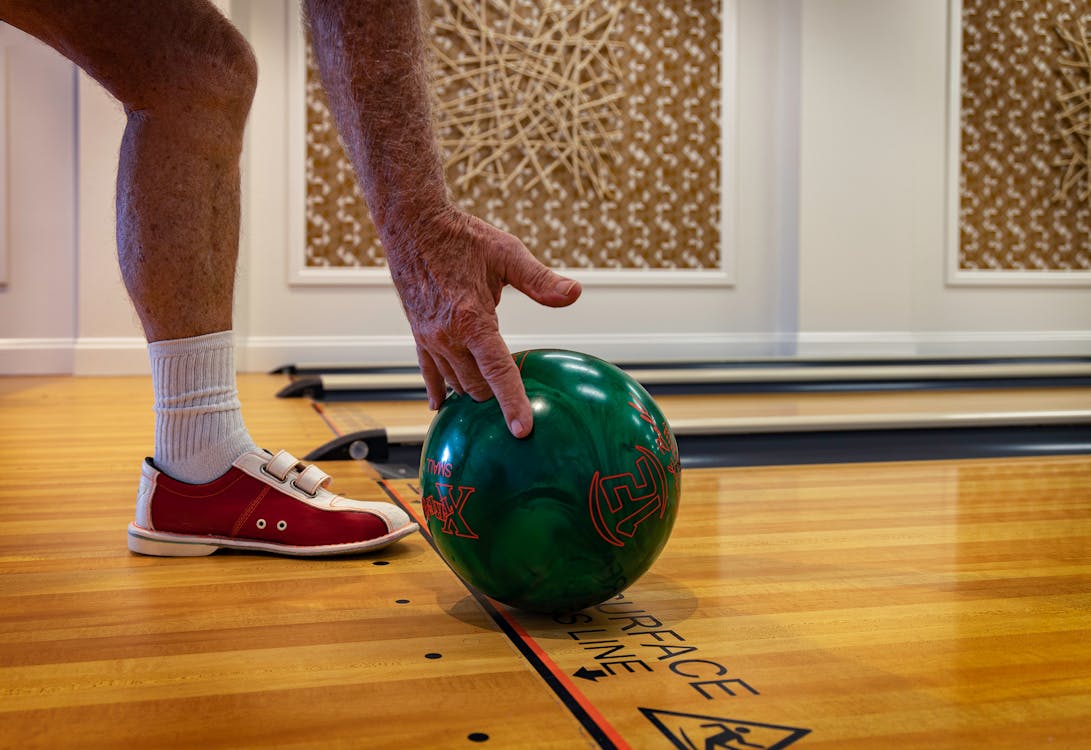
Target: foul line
x,y
575,701
337,431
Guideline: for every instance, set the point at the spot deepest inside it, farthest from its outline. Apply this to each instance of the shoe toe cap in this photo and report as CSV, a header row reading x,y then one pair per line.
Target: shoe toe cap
x,y
394,517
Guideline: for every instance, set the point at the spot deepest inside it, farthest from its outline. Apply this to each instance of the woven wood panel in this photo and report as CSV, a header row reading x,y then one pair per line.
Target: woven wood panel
x,y
590,130
1025,202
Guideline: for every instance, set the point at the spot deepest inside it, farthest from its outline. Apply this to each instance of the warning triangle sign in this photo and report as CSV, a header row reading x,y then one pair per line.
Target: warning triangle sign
x,y
699,732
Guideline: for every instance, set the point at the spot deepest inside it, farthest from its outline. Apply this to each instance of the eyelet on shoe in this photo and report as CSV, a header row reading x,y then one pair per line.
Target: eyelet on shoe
x,y
282,525
261,523
308,494
270,474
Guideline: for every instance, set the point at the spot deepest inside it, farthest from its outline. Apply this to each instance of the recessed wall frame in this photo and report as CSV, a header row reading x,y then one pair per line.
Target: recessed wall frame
x,y
1008,208
587,156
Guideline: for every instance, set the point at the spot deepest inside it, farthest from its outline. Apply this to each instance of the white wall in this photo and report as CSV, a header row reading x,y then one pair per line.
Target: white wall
x,y
37,302
875,188
109,336
838,244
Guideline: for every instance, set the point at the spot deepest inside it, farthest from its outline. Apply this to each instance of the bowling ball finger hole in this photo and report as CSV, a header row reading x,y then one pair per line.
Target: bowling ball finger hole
x,y
433,655
477,737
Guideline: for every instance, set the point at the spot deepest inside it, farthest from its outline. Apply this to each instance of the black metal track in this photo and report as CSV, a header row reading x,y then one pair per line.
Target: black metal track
x,y
850,446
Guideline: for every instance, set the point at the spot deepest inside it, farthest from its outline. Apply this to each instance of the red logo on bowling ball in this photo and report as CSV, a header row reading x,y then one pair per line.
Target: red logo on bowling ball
x,y
448,509
621,502
664,443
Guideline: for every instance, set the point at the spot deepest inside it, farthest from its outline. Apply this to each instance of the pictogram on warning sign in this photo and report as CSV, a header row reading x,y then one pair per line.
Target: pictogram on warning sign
x,y
700,732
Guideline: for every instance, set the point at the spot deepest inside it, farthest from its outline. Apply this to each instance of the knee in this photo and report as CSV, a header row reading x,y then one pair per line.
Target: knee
x,y
209,71
238,71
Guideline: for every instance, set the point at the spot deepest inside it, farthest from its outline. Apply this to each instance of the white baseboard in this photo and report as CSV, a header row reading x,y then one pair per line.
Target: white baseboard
x,y
944,343
834,344
111,356
128,356
43,356
1005,344
266,353
258,354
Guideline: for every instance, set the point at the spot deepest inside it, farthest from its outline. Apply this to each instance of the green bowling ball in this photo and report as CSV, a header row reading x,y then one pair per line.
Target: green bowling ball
x,y
569,516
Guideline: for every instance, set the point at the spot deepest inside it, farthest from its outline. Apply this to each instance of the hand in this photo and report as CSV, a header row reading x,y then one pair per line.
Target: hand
x,y
449,272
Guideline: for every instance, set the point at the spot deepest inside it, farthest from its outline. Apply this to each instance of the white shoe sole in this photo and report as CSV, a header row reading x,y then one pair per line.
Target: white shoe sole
x,y
164,544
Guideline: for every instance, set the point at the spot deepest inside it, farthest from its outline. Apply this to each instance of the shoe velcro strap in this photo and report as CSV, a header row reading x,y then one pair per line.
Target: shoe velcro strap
x,y
311,479
281,464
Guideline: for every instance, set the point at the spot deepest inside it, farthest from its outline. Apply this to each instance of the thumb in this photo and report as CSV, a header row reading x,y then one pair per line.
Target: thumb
x,y
536,280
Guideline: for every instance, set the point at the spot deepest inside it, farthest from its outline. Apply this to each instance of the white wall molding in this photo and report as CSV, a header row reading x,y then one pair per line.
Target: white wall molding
x,y
68,356
944,343
105,355
1004,343
36,356
264,353
348,276
267,353
961,277
856,343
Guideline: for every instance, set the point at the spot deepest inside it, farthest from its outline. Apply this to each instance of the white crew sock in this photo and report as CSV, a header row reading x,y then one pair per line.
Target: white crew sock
x,y
199,430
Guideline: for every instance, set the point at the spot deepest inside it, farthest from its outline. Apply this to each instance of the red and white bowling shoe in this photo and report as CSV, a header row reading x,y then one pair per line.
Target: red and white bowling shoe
x,y
264,502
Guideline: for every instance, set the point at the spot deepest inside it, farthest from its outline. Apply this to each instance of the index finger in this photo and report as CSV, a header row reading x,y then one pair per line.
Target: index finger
x,y
501,373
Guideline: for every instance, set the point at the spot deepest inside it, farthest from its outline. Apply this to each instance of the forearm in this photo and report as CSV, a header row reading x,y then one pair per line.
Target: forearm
x,y
449,268
372,56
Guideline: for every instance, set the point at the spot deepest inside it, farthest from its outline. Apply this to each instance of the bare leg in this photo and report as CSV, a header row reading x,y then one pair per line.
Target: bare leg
x,y
185,77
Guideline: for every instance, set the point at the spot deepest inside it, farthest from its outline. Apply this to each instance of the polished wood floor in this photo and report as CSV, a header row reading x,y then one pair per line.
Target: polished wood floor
x,y
909,604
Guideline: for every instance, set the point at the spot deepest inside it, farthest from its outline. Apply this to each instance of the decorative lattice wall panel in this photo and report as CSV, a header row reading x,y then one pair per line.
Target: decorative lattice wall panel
x,y
589,129
1025,193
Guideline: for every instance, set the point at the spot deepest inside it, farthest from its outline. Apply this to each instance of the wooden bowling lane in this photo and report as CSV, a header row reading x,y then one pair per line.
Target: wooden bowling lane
x,y
924,604
101,648
242,652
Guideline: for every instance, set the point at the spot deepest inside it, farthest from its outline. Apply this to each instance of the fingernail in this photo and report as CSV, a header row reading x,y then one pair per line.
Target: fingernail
x,y
516,428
